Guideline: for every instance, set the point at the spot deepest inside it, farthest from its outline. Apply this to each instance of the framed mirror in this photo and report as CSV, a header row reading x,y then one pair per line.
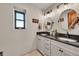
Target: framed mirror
x,y
48,24
68,19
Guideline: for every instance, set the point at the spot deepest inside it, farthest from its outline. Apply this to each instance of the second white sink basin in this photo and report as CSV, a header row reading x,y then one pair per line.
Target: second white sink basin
x,y
67,39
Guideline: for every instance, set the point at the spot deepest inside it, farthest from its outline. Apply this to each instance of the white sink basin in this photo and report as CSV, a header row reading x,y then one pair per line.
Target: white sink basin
x,y
44,34
67,39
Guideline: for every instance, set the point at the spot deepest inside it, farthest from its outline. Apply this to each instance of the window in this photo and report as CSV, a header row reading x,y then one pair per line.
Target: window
x,y
19,20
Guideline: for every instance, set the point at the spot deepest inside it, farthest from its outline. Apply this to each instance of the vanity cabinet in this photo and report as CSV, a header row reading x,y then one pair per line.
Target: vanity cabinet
x,y
51,47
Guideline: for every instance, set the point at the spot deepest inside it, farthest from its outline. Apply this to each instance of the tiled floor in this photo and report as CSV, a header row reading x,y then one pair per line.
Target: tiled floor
x,y
33,53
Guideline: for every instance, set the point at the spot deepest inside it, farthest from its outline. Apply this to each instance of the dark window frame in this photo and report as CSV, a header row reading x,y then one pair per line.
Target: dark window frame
x,y
19,19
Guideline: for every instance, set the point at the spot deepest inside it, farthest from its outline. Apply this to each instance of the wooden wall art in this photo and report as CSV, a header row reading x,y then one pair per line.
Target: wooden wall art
x,y
35,20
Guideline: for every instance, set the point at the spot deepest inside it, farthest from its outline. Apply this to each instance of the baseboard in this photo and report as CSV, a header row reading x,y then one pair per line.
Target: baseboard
x,y
40,52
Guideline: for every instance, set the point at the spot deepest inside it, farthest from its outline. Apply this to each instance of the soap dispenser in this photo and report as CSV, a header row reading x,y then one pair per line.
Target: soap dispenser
x,y
56,33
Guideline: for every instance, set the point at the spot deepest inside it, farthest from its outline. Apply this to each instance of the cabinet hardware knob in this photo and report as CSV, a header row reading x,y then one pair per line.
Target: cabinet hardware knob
x,y
60,50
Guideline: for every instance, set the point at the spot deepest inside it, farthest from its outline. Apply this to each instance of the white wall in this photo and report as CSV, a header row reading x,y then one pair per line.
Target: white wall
x,y
56,14
17,42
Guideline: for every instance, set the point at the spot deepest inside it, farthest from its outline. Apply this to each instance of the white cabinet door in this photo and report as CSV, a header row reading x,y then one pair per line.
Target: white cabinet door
x,y
40,44
55,50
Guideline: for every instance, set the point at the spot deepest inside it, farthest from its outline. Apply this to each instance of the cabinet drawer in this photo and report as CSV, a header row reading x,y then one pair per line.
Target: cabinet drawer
x,y
47,48
48,40
47,44
47,51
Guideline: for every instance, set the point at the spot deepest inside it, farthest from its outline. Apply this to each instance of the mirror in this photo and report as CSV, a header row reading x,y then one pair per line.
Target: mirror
x,y
48,24
68,19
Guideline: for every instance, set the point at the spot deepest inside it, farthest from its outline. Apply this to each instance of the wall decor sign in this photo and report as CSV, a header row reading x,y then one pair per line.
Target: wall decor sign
x,y
35,20
61,20
39,26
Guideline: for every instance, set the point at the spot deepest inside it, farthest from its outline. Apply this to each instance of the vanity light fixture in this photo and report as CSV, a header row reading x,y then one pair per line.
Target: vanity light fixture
x,y
48,12
65,3
59,5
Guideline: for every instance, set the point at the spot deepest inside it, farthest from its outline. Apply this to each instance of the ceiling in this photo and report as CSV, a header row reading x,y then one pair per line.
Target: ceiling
x,y
42,6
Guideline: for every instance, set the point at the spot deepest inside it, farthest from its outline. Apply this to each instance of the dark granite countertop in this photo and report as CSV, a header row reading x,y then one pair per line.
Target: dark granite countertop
x,y
76,44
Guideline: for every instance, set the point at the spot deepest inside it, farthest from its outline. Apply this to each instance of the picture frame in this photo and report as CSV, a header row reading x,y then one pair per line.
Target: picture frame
x,y
35,20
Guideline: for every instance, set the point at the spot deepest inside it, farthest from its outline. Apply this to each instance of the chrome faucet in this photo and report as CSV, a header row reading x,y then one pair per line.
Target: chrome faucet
x,y
67,35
